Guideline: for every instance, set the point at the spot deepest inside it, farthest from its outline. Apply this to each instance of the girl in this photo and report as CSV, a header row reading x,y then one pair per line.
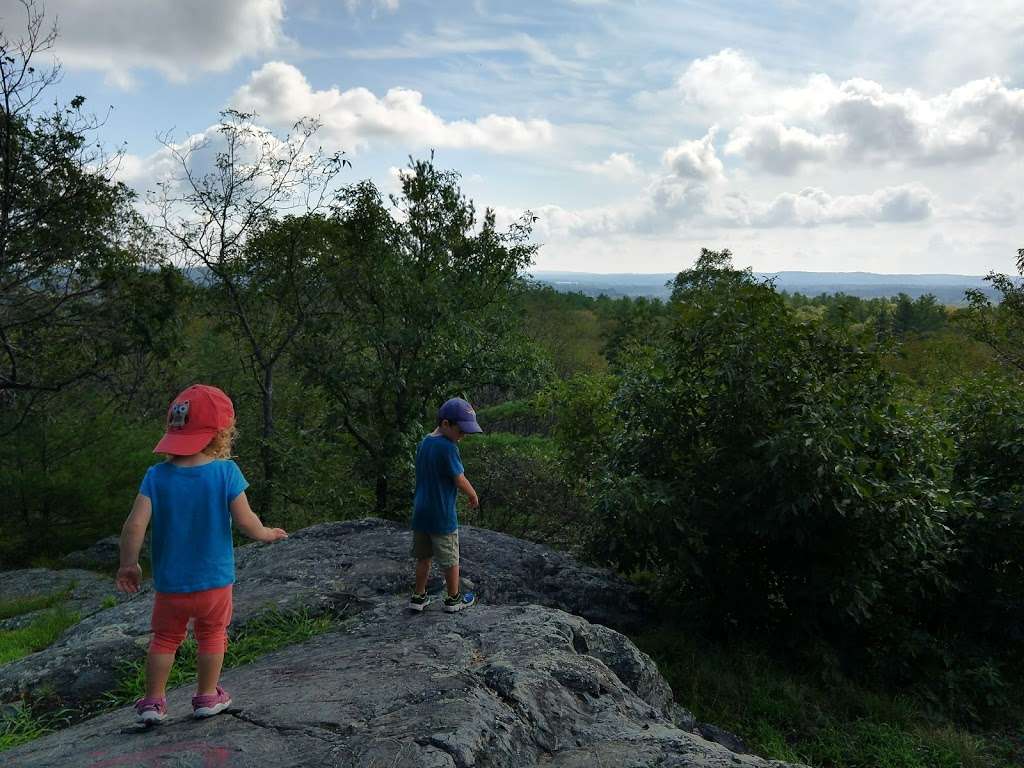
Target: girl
x,y
192,497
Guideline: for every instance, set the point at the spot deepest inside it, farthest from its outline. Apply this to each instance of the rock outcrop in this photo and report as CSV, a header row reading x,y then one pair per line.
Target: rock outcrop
x,y
86,592
105,554
518,680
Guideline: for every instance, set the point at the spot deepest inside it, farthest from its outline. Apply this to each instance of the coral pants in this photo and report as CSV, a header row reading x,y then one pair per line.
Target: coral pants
x,y
210,610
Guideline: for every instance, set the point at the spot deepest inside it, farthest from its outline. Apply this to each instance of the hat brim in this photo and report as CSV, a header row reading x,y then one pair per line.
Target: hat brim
x,y
184,443
469,427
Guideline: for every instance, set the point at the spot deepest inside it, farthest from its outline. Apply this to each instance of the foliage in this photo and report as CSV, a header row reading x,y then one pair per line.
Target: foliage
x,y
987,418
522,489
630,323
921,315
940,360
766,469
50,481
261,269
787,713
999,325
584,422
423,293
519,417
566,327
80,298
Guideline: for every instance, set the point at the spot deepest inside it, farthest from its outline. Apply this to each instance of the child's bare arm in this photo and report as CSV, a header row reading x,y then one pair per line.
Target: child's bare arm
x,y
133,532
463,484
249,524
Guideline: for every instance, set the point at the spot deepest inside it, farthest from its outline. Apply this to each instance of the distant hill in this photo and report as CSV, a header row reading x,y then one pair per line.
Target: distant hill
x,y
949,289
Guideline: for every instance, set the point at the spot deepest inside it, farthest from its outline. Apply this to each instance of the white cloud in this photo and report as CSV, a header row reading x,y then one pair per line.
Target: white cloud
x,y
695,159
768,144
812,207
178,38
446,41
1003,208
779,128
948,40
620,166
280,94
388,5
724,82
671,205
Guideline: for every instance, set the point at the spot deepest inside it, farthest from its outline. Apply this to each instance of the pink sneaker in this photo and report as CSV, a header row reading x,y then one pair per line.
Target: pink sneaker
x,y
150,711
209,704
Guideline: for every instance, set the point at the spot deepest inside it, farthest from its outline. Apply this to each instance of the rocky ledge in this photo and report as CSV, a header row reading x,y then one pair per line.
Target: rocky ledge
x,y
534,675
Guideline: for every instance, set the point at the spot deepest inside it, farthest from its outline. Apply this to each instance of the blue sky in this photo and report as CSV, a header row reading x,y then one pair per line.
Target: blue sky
x,y
884,136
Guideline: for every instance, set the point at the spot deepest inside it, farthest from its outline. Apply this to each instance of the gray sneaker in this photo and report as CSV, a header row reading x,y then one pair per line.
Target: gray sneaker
x,y
419,602
459,601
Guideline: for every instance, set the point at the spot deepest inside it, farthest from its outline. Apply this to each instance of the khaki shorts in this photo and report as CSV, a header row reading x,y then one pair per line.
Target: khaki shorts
x,y
443,547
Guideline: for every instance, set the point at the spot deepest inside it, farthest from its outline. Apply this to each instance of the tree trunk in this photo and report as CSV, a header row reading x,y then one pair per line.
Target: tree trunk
x,y
382,493
266,505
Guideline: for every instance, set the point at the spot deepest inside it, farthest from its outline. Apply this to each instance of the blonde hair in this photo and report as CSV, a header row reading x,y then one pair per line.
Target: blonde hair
x,y
220,446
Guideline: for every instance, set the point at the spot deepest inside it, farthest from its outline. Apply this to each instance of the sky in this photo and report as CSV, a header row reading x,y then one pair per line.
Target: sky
x,y
880,136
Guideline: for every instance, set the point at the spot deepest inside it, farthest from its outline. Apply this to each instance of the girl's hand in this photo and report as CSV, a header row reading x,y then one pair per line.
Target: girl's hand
x,y
274,534
128,577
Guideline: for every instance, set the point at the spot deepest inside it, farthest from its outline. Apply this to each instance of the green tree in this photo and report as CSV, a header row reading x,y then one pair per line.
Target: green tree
x,y
75,258
260,270
766,468
1000,325
424,295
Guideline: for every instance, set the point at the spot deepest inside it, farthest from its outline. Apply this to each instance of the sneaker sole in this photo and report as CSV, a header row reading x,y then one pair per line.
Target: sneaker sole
x,y
150,718
418,606
458,607
216,709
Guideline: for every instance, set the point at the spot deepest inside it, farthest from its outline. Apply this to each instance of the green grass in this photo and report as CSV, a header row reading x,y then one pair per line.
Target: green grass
x,y
16,643
824,722
268,632
22,605
23,725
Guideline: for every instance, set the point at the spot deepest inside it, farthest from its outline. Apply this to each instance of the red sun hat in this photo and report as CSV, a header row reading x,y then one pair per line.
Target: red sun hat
x,y
195,416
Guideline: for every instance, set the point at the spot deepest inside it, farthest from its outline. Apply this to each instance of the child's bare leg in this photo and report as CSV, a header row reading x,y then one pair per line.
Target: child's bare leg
x,y
158,669
209,671
422,573
451,578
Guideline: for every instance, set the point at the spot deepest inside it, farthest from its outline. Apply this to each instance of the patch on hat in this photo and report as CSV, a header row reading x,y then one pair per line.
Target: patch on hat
x,y
177,418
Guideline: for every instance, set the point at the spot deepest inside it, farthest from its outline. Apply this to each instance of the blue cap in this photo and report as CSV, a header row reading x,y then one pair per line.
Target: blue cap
x,y
460,412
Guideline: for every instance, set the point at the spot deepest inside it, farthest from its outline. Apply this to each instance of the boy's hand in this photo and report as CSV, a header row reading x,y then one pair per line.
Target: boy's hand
x,y
274,534
128,578
474,501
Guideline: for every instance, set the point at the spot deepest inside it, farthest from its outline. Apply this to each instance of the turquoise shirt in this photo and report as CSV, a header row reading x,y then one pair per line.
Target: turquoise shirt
x,y
192,548
438,463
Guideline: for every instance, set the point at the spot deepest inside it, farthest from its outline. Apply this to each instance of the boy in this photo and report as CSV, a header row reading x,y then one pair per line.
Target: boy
x,y
435,526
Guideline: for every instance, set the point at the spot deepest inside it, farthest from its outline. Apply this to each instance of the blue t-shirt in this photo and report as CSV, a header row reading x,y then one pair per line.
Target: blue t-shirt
x,y
191,543
437,465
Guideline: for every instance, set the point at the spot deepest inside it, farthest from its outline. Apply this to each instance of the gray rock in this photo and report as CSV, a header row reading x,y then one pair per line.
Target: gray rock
x,y
87,591
105,553
727,739
334,567
493,686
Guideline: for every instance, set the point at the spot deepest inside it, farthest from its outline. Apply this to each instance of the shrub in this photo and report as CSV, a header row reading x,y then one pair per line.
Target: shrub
x,y
987,419
522,489
765,468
